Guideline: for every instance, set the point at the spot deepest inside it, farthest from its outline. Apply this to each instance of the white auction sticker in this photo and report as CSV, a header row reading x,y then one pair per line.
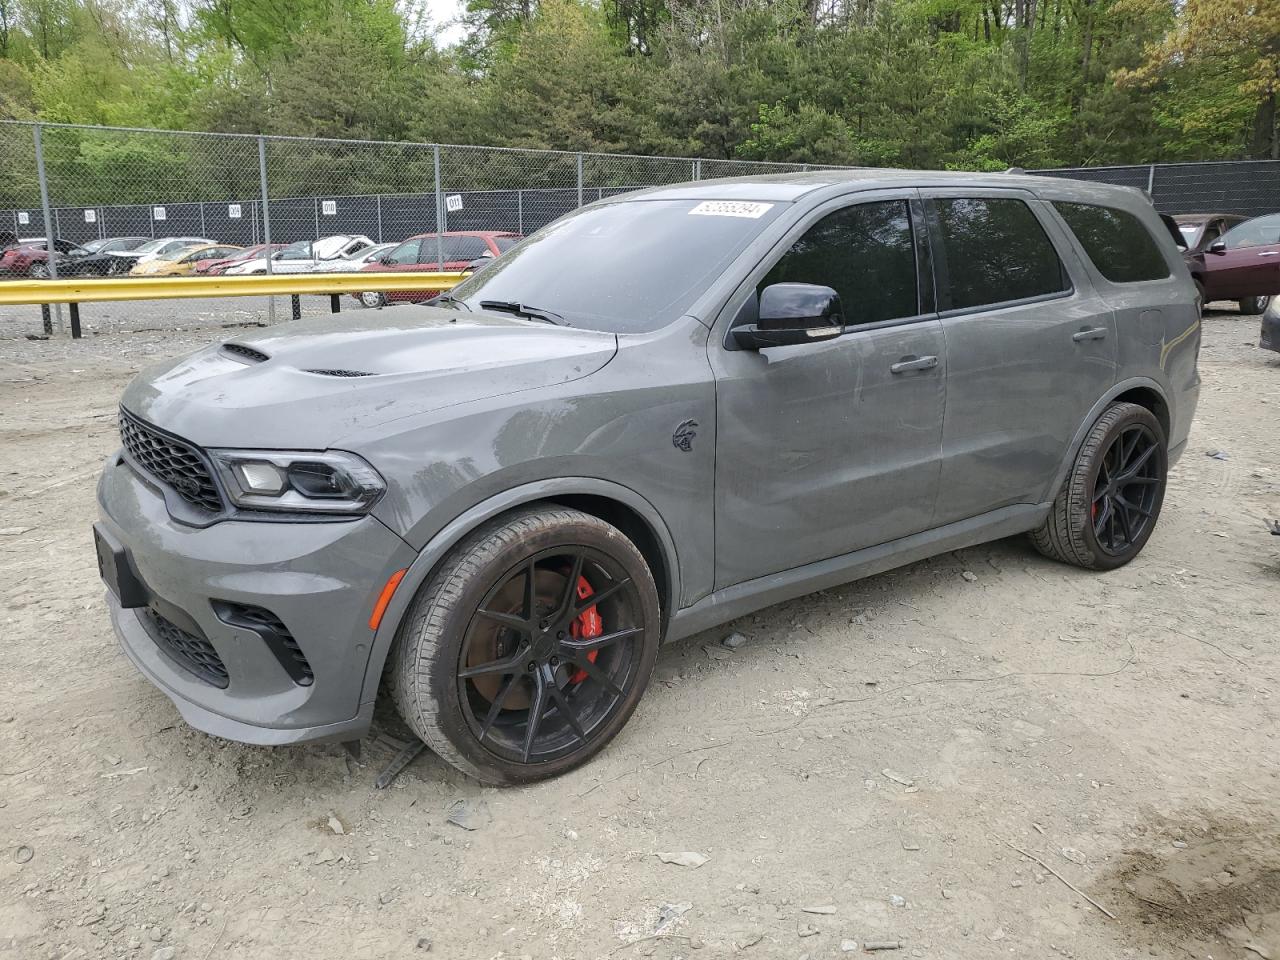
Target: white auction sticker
x,y
24,218
731,208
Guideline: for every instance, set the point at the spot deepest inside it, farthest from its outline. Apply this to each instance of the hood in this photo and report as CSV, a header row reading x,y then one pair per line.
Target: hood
x,y
306,385
247,266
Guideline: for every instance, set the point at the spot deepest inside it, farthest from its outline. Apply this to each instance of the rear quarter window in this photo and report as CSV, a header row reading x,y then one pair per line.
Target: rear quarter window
x,y
1116,241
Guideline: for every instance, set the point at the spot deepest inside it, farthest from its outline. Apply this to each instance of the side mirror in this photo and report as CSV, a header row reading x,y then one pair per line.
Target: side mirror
x,y
793,313
1218,246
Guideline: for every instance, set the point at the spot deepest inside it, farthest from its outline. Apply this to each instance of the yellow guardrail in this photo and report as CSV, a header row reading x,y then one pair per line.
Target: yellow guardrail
x,y
86,290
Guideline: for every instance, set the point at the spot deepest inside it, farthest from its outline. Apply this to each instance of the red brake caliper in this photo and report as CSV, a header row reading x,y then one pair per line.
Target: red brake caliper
x,y
587,625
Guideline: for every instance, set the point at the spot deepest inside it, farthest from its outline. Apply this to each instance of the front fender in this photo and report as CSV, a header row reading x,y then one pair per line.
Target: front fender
x,y
444,540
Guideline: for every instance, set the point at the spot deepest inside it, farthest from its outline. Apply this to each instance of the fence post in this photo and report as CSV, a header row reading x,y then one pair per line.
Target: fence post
x,y
579,179
377,200
204,231
48,214
266,220
697,169
1151,181
440,224
520,212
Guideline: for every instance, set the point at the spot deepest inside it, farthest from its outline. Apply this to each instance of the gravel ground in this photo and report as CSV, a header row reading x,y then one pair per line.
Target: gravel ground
x,y
971,757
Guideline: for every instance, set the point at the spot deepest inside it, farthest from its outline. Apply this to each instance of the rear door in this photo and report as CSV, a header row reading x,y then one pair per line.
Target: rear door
x,y
1030,348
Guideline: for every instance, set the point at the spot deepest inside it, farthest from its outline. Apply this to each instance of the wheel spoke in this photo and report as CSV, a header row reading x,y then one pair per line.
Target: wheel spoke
x,y
509,664
588,644
1132,469
496,707
602,596
571,586
1127,451
562,704
1100,524
506,619
1123,514
599,676
535,715
1129,505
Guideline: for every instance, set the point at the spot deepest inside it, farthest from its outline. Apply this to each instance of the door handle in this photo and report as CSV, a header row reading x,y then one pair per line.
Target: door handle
x,y
907,364
1270,253
1092,333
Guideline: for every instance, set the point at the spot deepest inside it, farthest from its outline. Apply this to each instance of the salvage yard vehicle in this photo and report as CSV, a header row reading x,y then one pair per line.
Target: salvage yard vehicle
x,y
1242,265
182,262
215,268
661,412
110,263
1270,336
303,256
459,249
32,259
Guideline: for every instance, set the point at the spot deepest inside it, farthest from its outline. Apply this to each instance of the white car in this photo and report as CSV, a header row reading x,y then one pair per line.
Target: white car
x,y
304,256
356,261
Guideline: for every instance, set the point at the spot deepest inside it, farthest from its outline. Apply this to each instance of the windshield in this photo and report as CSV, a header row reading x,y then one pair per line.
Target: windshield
x,y
1258,232
93,246
151,246
1189,230
626,267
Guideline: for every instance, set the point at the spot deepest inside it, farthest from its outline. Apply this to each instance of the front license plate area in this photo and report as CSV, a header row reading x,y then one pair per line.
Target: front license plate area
x,y
116,570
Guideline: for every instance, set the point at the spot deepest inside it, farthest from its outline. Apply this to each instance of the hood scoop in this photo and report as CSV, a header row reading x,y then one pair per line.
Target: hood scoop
x,y
340,373
241,352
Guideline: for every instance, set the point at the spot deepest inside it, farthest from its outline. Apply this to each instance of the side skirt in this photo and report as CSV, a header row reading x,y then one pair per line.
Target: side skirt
x,y
752,595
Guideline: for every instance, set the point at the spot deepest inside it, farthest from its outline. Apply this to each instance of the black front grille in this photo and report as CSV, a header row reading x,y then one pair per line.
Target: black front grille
x,y
173,462
246,353
274,633
194,653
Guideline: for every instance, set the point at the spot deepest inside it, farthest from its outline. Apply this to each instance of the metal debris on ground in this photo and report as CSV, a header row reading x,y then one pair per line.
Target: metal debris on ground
x,y
1218,454
397,765
873,945
23,854
469,814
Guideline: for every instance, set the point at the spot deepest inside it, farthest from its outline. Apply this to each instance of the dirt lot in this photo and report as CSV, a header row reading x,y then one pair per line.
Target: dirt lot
x,y
862,769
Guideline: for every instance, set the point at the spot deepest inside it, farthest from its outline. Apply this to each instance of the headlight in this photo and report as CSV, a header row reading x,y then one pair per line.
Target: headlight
x,y
298,481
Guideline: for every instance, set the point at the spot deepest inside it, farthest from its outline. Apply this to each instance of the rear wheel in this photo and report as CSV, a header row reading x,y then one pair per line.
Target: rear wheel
x,y
1252,306
371,299
39,270
528,650
1109,504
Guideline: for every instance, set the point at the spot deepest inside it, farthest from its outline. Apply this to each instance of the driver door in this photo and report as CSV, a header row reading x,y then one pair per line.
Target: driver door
x,y
825,448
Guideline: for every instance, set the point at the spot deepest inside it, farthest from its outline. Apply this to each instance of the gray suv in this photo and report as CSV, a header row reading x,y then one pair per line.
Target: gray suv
x,y
661,412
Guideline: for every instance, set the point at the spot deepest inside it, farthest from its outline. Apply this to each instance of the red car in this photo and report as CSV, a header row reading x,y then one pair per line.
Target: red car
x,y
421,254
218,266
32,259
1242,265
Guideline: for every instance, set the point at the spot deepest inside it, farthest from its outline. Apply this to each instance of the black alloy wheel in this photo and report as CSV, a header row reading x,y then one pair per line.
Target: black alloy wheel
x,y
1127,490
550,654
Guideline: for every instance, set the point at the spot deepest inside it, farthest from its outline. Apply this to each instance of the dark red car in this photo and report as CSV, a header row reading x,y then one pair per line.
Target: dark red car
x,y
218,266
422,253
1242,265
32,259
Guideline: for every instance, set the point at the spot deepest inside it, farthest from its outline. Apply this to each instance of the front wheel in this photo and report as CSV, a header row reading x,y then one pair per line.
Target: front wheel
x,y
1252,306
1109,504
528,650
39,270
371,299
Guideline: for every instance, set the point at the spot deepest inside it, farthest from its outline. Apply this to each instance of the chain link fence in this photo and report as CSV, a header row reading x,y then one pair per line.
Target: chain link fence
x,y
78,184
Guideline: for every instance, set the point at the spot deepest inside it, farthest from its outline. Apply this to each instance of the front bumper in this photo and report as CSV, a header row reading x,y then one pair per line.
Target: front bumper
x,y
321,580
1270,337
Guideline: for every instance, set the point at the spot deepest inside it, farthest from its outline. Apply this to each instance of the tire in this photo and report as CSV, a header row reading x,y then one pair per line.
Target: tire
x,y
39,271
372,299
480,723
1102,529
1252,306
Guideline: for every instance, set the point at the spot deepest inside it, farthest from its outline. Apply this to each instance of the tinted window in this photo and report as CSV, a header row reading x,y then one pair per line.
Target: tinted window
x,y
1116,241
464,248
996,251
1258,232
627,266
866,254
505,243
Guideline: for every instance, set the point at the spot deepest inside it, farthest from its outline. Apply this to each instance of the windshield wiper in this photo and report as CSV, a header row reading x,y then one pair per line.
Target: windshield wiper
x,y
521,310
448,298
